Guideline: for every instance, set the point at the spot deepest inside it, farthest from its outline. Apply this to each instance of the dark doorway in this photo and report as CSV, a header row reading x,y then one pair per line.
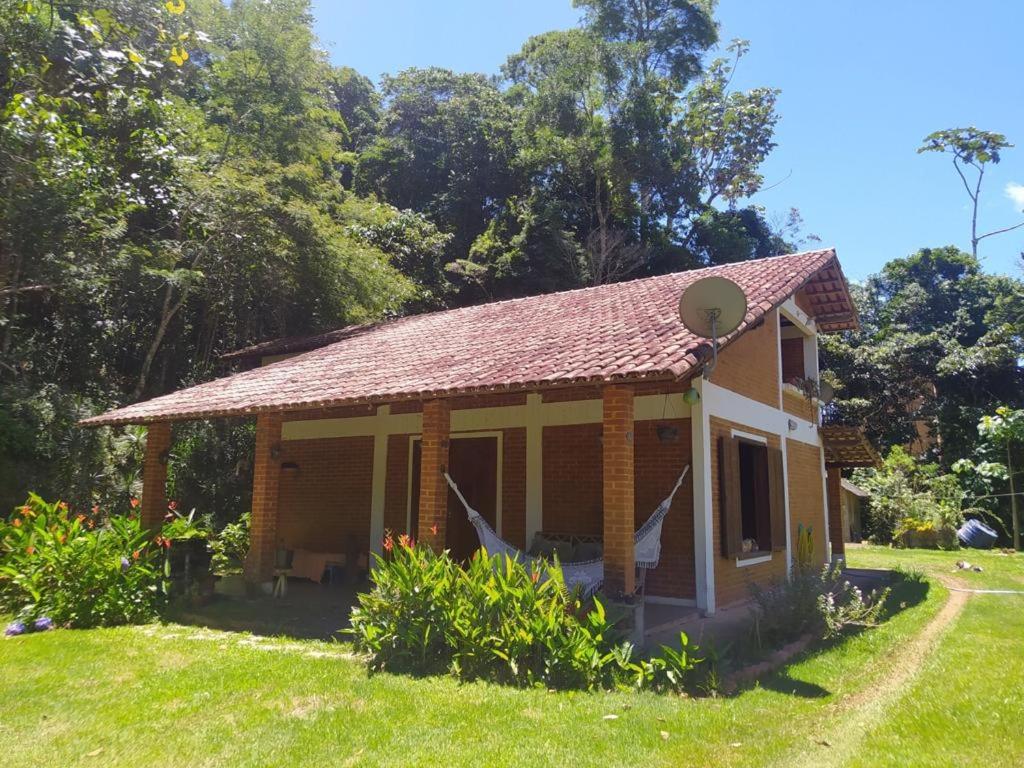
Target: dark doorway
x,y
473,465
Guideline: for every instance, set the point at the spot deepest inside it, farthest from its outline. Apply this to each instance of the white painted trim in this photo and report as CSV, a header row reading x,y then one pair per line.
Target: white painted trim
x,y
784,444
746,562
683,602
646,408
731,406
534,467
751,437
778,327
355,426
798,317
379,483
500,436
703,521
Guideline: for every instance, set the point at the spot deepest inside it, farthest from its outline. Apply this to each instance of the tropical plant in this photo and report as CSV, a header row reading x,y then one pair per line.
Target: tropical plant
x,y
499,620
78,570
1005,430
230,545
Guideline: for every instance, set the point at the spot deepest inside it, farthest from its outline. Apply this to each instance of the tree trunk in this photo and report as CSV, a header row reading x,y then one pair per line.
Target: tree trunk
x,y
167,313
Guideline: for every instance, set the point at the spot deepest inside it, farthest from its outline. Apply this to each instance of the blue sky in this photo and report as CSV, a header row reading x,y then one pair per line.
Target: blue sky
x,y
862,83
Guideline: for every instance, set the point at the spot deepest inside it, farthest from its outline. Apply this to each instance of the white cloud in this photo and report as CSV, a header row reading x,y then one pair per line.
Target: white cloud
x,y
1015,192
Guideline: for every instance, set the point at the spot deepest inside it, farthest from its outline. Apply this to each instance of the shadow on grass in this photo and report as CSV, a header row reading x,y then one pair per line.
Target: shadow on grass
x,y
308,612
906,591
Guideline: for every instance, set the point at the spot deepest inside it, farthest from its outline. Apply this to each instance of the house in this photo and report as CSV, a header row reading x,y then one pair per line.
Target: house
x,y
569,414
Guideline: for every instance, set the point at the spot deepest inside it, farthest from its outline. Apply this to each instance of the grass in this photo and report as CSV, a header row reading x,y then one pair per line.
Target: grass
x,y
178,695
967,706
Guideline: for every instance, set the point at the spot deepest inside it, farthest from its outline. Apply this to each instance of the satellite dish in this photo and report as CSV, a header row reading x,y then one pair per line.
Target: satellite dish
x,y
826,394
713,307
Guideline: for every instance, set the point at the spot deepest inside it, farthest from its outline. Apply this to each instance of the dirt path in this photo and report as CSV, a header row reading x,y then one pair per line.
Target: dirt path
x,y
856,716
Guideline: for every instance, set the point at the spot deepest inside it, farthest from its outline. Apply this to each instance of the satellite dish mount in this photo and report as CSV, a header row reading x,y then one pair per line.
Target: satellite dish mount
x,y
712,307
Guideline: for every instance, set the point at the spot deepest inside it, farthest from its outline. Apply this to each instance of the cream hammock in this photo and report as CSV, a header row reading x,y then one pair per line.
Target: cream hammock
x,y
587,574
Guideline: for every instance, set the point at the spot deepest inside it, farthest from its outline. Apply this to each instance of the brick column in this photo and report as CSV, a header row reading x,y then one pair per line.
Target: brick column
x,y
433,487
619,527
266,477
833,484
154,474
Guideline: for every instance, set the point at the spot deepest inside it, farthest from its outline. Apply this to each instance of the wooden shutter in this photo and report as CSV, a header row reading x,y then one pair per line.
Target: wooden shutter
x,y
777,498
729,488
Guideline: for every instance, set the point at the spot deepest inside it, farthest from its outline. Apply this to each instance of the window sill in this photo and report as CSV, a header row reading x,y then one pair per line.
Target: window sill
x,y
754,558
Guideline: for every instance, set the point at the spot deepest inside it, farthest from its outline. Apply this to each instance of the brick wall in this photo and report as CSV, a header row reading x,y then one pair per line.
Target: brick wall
x,y
572,479
324,505
750,365
806,502
732,582
798,405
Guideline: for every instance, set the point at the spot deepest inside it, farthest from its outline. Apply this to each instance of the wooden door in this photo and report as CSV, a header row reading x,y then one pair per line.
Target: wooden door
x,y
473,465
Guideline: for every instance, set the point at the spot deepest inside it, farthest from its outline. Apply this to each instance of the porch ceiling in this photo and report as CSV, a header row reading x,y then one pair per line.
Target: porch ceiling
x,y
848,447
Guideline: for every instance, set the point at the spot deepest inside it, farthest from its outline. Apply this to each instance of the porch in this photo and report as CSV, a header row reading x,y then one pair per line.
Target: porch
x,y
573,472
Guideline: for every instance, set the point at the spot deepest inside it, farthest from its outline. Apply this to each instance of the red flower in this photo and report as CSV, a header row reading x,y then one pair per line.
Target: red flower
x,y
135,555
31,550
404,540
433,530
16,523
389,543
535,577
81,518
172,505
162,541
27,511
62,505
63,538
134,502
95,511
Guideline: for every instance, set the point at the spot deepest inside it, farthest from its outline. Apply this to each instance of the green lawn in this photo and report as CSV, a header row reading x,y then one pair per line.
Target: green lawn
x,y
176,695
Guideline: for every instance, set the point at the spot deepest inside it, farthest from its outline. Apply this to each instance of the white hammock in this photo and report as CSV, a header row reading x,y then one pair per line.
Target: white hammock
x,y
587,574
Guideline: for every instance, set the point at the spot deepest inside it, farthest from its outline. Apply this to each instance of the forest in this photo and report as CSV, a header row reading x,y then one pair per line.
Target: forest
x,y
181,179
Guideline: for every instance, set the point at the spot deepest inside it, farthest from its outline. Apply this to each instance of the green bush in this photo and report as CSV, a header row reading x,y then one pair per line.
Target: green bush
x,y
230,546
822,603
911,504
497,620
78,570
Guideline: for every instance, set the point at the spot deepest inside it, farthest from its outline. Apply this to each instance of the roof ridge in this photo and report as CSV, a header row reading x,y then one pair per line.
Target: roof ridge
x,y
254,349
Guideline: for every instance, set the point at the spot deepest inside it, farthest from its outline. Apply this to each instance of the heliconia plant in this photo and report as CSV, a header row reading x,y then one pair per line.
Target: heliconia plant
x,y
496,619
76,569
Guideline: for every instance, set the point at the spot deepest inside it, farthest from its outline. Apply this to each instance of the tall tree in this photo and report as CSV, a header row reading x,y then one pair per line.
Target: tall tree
x,y
972,150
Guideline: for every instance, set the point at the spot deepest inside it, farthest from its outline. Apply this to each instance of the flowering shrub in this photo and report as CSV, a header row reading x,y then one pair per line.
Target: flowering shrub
x,y
496,619
821,602
75,569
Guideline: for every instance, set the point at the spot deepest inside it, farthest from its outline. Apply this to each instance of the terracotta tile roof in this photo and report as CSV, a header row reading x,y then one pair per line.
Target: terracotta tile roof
x,y
611,332
848,446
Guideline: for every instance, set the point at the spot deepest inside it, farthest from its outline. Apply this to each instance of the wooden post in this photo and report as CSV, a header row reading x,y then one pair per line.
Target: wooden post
x,y
619,518
266,477
154,475
834,484
433,517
